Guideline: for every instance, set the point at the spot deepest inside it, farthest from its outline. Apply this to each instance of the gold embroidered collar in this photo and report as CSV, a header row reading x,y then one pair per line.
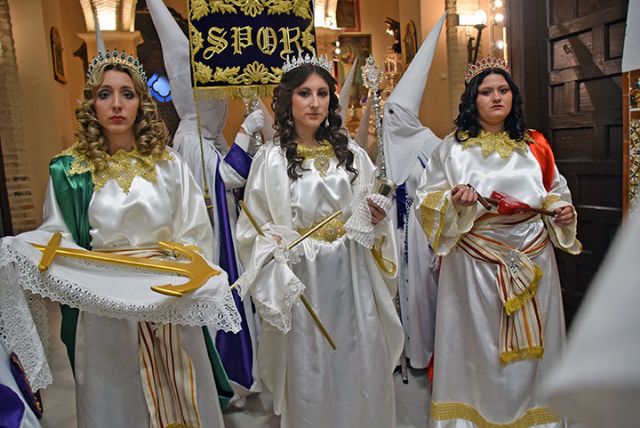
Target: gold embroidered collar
x,y
324,149
122,167
321,156
499,142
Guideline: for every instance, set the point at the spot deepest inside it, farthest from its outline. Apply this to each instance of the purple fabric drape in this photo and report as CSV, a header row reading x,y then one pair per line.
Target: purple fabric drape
x,y
11,408
234,348
401,204
239,160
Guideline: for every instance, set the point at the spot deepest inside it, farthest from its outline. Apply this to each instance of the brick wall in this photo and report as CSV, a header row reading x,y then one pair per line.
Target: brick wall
x,y
16,164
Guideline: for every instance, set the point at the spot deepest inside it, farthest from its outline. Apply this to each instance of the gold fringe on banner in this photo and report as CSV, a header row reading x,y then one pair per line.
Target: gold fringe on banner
x,y
221,93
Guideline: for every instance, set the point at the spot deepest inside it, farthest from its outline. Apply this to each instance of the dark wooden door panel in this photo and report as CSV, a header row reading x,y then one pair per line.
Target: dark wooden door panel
x,y
574,90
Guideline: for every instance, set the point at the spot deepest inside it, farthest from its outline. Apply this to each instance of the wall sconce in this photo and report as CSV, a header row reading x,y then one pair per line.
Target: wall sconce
x,y
477,20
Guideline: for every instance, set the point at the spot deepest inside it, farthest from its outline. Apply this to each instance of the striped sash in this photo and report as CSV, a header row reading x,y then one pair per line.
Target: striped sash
x,y
166,370
517,278
168,378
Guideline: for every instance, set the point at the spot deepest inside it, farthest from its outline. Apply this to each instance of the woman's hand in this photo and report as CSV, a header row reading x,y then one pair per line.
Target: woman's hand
x,y
463,195
377,213
564,216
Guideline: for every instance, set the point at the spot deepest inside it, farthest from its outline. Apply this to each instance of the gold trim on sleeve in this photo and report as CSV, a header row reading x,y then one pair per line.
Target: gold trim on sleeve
x,y
550,200
428,210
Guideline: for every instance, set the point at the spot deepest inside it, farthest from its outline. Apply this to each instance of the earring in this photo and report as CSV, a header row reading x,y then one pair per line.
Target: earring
x,y
289,122
326,122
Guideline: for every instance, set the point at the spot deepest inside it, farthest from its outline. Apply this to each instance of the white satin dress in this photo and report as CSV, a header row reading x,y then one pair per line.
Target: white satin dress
x,y
313,385
107,370
472,386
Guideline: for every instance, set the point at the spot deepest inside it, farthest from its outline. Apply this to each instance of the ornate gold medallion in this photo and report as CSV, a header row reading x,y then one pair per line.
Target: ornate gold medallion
x,y
321,156
321,164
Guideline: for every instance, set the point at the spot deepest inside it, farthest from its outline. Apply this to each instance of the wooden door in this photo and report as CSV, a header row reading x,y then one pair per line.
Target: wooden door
x,y
567,56
5,214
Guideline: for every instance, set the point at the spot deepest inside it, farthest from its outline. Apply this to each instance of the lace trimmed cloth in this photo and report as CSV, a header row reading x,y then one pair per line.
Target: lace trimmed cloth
x,y
359,226
269,280
23,322
105,290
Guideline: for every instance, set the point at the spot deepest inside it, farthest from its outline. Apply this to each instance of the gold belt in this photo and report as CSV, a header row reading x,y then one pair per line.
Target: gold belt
x,y
328,233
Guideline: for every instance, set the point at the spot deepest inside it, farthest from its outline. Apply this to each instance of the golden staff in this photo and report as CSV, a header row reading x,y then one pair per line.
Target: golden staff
x,y
302,237
196,268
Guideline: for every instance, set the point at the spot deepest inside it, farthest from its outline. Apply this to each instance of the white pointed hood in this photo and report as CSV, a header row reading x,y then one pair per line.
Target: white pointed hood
x,y
99,40
175,52
404,135
345,92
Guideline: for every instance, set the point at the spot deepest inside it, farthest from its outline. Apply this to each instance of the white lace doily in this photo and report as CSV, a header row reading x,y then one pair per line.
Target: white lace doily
x,y
359,226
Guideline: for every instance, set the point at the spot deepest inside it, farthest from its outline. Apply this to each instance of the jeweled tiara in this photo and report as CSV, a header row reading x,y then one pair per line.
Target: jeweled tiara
x,y
321,61
484,63
116,57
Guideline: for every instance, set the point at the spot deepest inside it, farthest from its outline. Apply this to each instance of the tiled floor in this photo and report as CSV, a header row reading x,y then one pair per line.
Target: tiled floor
x,y
412,406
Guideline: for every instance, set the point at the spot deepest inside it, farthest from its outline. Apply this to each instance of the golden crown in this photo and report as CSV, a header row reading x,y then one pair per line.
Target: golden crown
x,y
116,57
483,64
321,61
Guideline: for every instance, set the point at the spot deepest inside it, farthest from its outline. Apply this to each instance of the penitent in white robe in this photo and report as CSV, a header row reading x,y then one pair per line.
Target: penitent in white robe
x,y
471,386
313,385
107,369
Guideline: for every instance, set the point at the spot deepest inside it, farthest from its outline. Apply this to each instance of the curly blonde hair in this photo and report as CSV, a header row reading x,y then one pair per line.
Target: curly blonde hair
x,y
150,132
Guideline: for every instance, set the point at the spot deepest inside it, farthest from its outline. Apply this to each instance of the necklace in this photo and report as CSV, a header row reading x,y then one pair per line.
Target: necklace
x,y
321,156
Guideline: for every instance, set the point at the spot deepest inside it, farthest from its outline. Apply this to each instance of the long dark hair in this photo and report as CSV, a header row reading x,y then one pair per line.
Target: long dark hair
x,y
467,119
285,130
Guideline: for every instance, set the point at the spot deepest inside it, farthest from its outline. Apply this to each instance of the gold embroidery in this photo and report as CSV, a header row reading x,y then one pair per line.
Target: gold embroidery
x,y
122,167
428,210
496,142
515,303
321,156
546,204
533,353
550,200
385,265
533,416
331,231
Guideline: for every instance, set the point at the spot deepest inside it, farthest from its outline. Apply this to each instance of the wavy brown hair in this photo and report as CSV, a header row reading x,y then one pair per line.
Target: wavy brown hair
x,y
467,120
285,130
150,132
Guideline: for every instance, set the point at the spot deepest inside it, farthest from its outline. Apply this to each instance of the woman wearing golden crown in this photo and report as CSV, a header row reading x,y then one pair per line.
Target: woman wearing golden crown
x,y
307,173
500,323
139,358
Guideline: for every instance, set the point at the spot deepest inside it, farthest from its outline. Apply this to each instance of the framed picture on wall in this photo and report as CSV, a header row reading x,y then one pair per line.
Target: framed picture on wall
x,y
56,54
354,49
410,42
348,15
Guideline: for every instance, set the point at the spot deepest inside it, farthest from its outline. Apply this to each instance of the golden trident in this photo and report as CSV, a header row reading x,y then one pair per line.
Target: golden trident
x,y
301,238
195,268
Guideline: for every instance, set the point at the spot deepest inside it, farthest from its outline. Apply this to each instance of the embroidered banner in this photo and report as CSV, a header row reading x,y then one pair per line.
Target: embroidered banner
x,y
238,46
